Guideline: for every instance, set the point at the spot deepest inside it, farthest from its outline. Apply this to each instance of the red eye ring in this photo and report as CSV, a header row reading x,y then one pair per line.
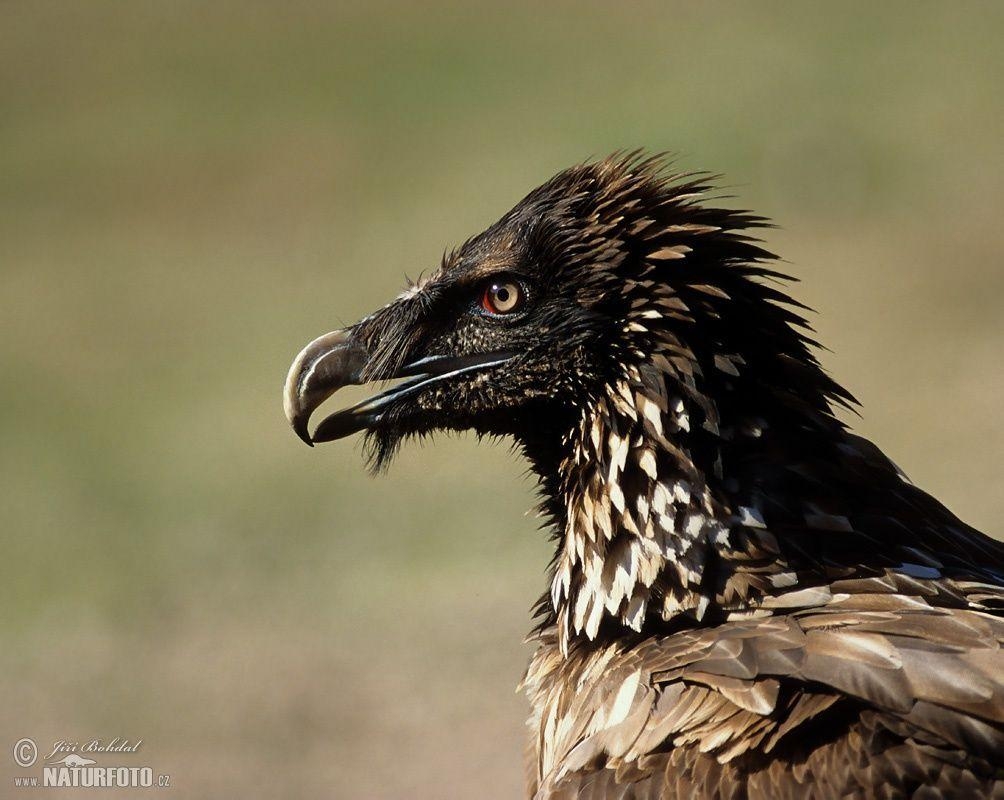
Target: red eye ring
x,y
502,297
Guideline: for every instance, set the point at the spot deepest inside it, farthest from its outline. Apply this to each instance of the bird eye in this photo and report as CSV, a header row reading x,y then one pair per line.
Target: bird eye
x,y
502,297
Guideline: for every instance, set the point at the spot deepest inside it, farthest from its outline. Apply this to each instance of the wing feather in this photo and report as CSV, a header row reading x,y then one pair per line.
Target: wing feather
x,y
876,687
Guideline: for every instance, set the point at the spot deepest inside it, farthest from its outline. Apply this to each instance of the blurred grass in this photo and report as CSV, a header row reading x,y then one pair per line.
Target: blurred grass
x,y
188,193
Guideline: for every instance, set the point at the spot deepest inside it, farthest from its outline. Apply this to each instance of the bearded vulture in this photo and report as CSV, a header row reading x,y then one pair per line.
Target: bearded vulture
x,y
746,600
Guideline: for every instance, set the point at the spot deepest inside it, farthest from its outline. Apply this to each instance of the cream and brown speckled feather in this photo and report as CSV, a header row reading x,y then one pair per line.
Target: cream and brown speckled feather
x,y
746,600
866,691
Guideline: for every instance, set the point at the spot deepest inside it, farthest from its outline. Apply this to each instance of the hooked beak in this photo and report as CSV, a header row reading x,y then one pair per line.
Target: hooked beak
x,y
335,360
322,368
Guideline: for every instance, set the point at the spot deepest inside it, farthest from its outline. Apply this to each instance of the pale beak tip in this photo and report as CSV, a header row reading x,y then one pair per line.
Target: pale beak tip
x,y
298,420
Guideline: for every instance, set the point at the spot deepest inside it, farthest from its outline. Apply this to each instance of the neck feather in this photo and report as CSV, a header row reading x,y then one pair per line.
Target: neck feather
x,y
650,533
639,520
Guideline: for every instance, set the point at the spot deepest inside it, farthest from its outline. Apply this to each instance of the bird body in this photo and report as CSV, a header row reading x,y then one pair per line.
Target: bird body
x,y
746,599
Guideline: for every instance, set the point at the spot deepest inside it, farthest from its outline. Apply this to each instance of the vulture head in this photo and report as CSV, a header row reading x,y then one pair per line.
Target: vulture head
x,y
729,556
610,271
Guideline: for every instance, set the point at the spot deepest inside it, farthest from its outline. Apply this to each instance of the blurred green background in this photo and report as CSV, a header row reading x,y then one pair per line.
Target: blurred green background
x,y
189,192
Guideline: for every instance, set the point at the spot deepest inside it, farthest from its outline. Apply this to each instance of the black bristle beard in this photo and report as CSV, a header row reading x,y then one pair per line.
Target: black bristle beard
x,y
379,448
